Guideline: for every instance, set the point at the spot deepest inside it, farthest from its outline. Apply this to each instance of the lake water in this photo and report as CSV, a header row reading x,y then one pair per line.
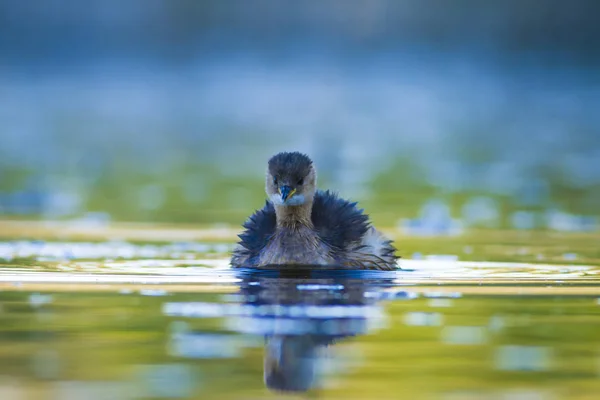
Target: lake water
x,y
89,327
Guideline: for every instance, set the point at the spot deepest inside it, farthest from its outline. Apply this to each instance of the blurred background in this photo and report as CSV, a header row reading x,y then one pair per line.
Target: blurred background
x,y
435,115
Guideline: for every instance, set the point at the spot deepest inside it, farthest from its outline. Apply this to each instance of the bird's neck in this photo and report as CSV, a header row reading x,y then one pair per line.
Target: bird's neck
x,y
294,216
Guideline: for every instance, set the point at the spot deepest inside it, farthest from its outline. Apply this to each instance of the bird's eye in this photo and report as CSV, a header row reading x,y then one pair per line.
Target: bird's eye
x,y
300,181
274,180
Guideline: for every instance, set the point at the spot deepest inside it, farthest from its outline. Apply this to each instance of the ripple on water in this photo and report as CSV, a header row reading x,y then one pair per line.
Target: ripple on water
x,y
298,333
205,261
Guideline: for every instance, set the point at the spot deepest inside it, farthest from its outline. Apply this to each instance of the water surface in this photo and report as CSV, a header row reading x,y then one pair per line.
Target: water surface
x,y
190,328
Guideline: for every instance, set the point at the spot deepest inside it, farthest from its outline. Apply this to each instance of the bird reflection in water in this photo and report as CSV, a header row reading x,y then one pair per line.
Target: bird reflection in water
x,y
301,317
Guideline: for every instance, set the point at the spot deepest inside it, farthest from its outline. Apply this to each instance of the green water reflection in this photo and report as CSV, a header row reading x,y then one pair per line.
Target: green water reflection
x,y
334,338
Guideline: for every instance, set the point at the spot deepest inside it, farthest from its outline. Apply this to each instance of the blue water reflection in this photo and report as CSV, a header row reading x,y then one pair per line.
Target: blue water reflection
x,y
299,315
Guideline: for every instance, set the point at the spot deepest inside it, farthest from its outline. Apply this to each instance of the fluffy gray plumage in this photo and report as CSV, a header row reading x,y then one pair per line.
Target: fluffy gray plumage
x,y
318,229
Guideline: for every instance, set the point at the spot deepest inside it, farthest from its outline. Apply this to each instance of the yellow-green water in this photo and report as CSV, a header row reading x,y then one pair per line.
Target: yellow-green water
x,y
115,320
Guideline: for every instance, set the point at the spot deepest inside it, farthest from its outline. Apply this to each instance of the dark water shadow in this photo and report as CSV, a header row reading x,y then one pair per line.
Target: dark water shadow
x,y
317,272
302,313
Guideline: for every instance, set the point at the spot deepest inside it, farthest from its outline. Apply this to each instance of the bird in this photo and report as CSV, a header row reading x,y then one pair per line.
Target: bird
x,y
300,225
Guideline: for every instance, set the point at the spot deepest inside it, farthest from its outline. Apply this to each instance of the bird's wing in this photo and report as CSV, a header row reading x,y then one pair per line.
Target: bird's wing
x,y
257,231
345,228
374,251
338,221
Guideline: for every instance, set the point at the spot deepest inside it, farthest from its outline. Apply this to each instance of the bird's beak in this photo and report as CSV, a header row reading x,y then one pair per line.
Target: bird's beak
x,y
286,192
